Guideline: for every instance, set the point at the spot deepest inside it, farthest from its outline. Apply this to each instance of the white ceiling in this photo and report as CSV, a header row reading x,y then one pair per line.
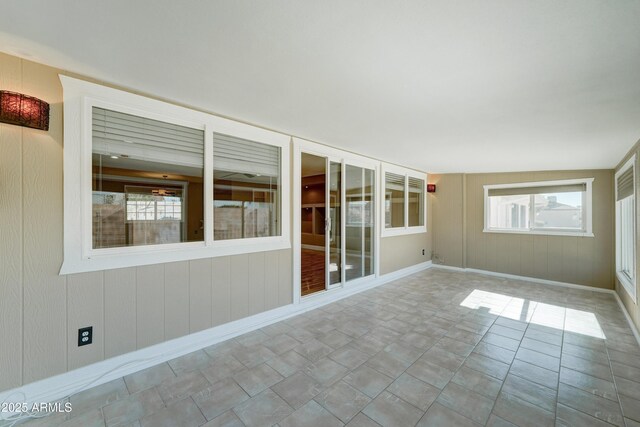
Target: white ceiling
x,y
442,86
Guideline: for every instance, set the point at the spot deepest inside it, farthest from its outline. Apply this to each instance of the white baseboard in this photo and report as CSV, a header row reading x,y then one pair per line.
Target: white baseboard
x,y
449,267
634,329
632,325
525,278
60,386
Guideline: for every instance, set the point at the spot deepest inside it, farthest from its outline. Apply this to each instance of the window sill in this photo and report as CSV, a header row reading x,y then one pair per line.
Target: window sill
x,y
402,231
627,285
148,255
541,232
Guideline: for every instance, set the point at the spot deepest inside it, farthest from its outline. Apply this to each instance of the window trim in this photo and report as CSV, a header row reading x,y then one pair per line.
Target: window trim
x,y
406,229
588,204
79,256
629,284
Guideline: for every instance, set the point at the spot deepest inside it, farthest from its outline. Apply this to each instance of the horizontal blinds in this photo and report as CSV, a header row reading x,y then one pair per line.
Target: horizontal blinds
x,y
624,184
394,181
416,185
239,155
543,189
116,133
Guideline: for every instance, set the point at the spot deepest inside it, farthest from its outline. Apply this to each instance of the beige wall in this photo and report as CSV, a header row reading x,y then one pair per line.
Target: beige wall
x,y
448,234
403,251
40,311
581,260
632,306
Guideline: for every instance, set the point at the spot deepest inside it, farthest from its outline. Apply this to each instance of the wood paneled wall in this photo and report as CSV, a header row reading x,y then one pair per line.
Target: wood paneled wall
x,y
448,212
136,307
41,312
581,260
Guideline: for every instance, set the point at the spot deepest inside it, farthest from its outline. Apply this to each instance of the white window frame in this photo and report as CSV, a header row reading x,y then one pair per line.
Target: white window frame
x,y
406,173
588,209
628,283
79,255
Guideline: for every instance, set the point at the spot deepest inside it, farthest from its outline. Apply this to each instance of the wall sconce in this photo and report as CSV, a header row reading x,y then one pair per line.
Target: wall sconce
x,y
431,188
22,110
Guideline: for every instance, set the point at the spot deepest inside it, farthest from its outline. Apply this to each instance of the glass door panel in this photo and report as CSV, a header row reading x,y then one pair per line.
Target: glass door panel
x,y
360,221
335,223
369,220
313,193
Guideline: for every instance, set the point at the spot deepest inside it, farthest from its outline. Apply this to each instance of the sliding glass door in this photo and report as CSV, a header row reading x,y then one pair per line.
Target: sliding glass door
x,y
337,222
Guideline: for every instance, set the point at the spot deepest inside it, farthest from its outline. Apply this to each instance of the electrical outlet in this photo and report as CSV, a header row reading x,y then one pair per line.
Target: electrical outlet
x,y
423,252
85,336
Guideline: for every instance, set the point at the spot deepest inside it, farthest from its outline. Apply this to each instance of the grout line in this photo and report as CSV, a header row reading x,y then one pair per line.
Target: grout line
x,y
564,324
456,371
514,358
615,384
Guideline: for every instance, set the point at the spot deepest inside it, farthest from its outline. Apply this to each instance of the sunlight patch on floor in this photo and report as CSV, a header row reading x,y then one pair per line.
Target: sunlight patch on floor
x,y
543,314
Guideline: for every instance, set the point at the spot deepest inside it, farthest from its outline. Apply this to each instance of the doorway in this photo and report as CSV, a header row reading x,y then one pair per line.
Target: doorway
x,y
337,222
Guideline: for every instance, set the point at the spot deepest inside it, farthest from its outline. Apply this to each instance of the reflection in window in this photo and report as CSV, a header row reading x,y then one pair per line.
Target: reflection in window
x,y
558,210
246,196
359,212
416,201
161,204
509,212
147,181
394,200
359,230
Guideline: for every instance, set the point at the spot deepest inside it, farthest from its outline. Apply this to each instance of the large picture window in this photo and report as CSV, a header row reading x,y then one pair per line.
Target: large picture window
x,y
625,227
143,173
404,202
246,188
552,207
147,182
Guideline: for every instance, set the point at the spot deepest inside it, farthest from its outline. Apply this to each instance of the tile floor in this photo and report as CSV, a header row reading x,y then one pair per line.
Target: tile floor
x,y
438,348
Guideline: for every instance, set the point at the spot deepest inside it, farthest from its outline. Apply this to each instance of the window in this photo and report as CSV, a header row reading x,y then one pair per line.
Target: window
x,y
625,227
551,207
148,182
246,182
142,172
404,201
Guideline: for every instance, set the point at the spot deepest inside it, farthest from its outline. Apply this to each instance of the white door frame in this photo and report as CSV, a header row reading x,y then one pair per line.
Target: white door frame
x,y
343,157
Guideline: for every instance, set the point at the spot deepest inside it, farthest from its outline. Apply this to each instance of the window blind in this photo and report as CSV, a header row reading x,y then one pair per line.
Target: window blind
x,y
121,134
624,184
543,189
394,181
416,185
239,155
